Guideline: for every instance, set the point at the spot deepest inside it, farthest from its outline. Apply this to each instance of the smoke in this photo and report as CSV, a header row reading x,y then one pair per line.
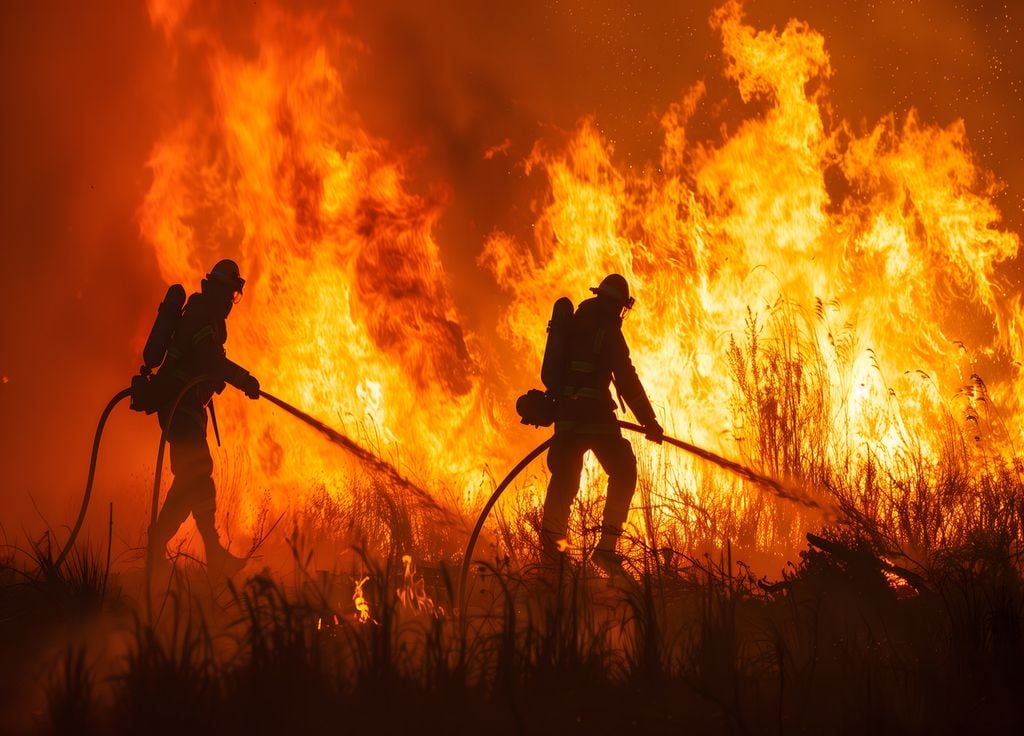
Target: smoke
x,y
76,282
88,89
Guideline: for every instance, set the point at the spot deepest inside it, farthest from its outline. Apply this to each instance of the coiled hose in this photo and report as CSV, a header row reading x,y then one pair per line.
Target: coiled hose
x,y
776,487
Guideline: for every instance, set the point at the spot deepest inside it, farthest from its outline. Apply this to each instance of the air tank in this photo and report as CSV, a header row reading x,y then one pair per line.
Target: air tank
x,y
556,351
167,316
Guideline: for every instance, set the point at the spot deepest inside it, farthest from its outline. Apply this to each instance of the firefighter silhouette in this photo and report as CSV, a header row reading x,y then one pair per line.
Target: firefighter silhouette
x,y
197,349
593,355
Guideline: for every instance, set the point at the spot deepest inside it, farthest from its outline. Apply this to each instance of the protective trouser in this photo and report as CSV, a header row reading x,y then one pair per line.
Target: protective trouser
x,y
565,461
192,490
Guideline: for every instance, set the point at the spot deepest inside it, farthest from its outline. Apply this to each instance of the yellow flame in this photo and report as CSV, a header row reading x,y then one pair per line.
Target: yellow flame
x,y
412,594
362,605
744,240
780,318
347,311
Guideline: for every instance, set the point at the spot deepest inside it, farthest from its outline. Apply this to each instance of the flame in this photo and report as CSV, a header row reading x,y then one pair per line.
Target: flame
x,y
347,310
362,605
412,594
745,242
806,293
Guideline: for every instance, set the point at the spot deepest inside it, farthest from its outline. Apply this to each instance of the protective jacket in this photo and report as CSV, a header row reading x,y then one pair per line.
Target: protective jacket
x,y
597,355
197,349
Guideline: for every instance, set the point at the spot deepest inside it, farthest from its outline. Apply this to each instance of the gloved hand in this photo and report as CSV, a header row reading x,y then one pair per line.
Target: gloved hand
x,y
250,387
654,432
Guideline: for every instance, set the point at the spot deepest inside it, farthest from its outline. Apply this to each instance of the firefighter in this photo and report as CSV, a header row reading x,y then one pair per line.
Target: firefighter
x,y
585,420
197,349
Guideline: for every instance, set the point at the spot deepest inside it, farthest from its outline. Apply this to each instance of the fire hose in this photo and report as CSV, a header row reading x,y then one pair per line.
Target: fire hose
x,y
776,487
365,456
117,399
350,446
392,473
380,465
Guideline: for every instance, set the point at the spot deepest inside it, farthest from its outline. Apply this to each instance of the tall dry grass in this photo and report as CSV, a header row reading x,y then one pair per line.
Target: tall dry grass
x,y
904,613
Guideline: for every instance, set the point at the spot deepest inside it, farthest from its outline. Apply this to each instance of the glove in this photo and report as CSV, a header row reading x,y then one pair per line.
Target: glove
x,y
654,432
250,387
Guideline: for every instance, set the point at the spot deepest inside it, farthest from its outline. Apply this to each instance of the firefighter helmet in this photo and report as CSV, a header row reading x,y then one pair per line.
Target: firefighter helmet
x,y
226,272
615,287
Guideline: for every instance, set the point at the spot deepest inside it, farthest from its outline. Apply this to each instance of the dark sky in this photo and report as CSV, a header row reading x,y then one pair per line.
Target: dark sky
x,y
86,88
947,59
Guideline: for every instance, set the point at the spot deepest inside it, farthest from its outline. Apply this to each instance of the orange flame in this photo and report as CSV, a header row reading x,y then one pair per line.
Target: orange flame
x,y
347,311
412,594
748,238
797,278
362,605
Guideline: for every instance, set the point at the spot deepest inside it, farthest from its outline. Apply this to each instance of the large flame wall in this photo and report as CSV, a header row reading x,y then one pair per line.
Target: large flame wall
x,y
870,252
349,310
872,245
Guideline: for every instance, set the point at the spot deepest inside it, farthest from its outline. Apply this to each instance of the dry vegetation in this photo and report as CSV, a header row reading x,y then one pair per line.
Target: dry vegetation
x,y
903,613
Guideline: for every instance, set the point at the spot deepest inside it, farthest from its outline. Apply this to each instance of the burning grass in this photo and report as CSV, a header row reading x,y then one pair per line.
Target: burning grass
x,y
905,613
699,644
767,297
848,638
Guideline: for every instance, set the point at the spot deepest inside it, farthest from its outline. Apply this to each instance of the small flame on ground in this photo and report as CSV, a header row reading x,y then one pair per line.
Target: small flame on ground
x,y
320,626
362,614
896,581
413,592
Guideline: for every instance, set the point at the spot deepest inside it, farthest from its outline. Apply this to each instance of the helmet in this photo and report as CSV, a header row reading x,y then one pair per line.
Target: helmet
x,y
615,288
225,272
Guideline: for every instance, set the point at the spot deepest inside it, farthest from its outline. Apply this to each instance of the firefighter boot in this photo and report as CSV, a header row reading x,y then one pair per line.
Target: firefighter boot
x,y
604,556
221,563
608,562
